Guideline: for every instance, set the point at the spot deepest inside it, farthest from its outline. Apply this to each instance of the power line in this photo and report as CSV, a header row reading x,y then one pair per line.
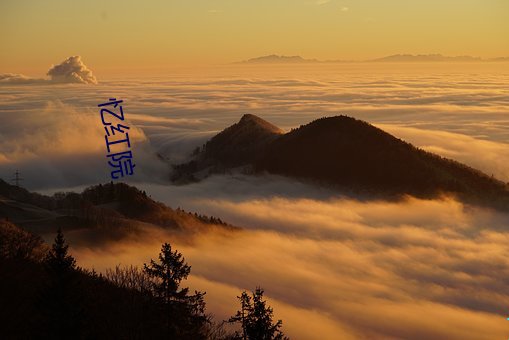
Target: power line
x,y
16,178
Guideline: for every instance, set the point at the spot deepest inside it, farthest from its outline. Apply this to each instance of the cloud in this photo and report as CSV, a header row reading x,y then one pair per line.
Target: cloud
x,y
63,143
344,9
176,114
490,157
420,269
17,78
72,70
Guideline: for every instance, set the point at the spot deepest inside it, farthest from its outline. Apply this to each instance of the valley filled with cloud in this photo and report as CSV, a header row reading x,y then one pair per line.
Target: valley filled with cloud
x,y
330,264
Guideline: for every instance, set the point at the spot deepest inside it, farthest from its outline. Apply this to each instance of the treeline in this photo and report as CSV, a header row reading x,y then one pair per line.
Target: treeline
x,y
203,218
113,207
44,294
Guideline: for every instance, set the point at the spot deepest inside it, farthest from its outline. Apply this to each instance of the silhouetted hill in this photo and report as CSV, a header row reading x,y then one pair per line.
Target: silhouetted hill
x,y
235,146
22,195
114,208
359,158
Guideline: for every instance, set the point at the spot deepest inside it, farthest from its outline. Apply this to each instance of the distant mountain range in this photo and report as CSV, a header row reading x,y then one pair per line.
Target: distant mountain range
x,y
344,153
426,58
280,59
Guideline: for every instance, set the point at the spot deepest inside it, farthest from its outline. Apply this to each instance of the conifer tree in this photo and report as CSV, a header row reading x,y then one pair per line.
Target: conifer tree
x,y
185,316
61,299
255,318
58,260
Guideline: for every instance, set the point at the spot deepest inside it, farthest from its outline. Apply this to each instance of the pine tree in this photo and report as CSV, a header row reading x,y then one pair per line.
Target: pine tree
x,y
61,298
255,317
58,260
241,316
185,316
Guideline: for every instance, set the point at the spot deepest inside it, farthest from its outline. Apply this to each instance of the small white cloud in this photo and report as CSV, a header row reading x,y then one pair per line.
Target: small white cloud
x,y
322,2
72,70
344,9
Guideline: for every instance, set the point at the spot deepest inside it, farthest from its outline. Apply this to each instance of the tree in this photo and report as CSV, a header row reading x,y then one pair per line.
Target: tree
x,y
16,243
129,277
58,260
185,316
61,299
255,318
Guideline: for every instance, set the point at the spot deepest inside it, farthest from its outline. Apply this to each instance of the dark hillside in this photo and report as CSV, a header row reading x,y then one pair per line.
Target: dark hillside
x,y
351,153
346,153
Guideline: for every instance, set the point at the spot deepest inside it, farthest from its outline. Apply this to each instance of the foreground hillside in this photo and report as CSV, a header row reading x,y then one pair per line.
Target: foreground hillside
x,y
44,294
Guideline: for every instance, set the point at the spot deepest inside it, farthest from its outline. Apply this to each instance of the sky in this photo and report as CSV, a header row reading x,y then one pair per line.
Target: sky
x,y
134,36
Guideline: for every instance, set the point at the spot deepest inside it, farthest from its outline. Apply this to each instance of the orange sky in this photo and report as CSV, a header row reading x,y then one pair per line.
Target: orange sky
x,y
135,35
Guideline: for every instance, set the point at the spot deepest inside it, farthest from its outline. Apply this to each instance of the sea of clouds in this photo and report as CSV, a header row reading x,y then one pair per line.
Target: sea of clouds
x,y
459,113
343,269
331,266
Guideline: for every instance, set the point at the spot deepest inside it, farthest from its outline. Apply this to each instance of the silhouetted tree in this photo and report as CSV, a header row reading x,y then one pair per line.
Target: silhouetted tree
x,y
58,260
61,298
185,314
49,297
129,277
255,318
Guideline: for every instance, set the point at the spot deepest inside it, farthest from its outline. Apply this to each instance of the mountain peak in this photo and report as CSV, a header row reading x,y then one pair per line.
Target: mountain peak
x,y
254,122
241,142
238,145
249,117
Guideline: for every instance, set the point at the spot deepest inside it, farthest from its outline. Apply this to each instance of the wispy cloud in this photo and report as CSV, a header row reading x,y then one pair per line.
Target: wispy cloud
x,y
59,143
434,269
18,79
343,263
179,113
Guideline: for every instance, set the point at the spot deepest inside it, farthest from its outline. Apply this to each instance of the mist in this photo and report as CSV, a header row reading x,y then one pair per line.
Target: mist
x,y
458,112
331,265
387,270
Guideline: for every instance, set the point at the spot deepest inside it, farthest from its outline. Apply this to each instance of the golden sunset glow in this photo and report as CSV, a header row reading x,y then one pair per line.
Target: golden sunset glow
x,y
134,35
321,169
